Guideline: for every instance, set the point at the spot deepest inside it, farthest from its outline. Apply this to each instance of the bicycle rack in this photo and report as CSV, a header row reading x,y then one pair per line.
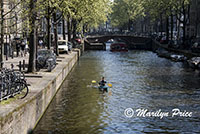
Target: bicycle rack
x,y
9,80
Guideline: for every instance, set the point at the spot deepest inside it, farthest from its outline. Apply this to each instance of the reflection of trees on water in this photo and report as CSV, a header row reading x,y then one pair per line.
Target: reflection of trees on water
x,y
140,80
76,108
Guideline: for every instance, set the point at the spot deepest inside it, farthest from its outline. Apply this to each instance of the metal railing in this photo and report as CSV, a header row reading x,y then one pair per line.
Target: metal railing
x,y
12,83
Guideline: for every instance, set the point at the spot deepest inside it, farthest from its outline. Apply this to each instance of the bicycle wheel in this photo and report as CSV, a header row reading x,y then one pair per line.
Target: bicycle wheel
x,y
22,88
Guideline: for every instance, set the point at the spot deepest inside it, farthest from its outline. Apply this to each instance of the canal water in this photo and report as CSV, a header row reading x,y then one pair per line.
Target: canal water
x,y
141,81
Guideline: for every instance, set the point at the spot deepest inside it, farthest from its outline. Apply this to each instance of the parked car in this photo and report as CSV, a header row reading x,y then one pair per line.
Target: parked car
x,y
76,43
194,62
196,47
161,52
78,40
173,44
154,36
46,59
163,40
69,45
177,58
158,38
63,46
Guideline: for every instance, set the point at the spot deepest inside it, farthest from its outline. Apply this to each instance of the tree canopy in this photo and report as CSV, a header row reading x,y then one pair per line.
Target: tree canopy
x,y
125,10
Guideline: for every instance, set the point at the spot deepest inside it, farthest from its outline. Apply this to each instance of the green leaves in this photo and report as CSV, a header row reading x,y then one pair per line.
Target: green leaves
x,y
126,10
90,12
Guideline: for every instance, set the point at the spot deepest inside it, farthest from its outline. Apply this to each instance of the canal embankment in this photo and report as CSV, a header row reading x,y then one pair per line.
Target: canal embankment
x,y
187,53
18,116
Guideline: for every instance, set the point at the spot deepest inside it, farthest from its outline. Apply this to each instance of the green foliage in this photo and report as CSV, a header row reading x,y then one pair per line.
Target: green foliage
x,y
87,12
126,10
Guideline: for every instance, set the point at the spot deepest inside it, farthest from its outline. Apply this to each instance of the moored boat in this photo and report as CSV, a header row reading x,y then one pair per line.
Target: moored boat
x,y
194,62
176,57
118,47
103,88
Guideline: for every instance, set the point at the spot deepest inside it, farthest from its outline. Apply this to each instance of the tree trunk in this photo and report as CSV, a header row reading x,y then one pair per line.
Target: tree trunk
x,y
32,39
74,27
129,25
161,24
172,26
184,33
63,22
2,34
48,29
184,25
36,38
84,28
16,28
196,28
167,29
178,28
55,34
69,28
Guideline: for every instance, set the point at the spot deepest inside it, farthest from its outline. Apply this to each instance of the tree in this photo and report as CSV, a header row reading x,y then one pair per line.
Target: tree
x,y
2,32
182,8
125,11
88,13
5,17
32,36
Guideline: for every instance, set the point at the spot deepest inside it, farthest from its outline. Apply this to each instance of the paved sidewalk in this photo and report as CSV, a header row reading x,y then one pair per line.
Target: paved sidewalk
x,y
15,61
32,78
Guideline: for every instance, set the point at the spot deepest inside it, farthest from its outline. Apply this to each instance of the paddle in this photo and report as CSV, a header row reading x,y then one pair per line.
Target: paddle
x,y
94,82
109,84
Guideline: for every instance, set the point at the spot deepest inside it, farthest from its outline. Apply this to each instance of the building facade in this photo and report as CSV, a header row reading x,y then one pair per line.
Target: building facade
x,y
194,25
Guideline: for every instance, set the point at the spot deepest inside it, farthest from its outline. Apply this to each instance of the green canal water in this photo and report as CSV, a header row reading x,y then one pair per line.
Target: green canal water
x,y
140,80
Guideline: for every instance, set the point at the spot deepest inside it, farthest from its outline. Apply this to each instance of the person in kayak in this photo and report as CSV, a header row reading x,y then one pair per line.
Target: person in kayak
x,y
102,83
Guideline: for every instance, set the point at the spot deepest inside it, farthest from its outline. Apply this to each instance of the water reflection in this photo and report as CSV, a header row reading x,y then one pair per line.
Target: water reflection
x,y
140,80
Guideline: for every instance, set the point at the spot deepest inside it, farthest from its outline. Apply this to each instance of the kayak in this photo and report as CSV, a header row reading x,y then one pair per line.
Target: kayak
x,y
103,88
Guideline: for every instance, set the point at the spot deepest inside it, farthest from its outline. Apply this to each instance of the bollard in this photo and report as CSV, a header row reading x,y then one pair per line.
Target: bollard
x,y
12,54
12,66
23,64
1,64
7,55
20,66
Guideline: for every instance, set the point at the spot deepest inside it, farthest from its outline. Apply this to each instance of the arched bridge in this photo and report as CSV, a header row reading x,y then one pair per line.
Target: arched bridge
x,y
133,42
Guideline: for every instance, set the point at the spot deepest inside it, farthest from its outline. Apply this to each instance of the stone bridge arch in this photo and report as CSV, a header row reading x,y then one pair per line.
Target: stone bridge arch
x,y
133,42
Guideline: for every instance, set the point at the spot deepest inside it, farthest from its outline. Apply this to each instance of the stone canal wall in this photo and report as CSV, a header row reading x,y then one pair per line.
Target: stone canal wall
x,y
188,53
21,115
94,46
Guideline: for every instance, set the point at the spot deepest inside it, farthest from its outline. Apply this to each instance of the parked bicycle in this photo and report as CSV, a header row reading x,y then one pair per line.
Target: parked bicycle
x,y
12,83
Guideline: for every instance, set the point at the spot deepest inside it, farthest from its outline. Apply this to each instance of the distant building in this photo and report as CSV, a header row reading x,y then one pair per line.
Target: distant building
x,y
143,25
13,21
194,25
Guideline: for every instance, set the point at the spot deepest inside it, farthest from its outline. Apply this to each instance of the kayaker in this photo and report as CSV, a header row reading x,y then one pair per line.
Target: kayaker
x,y
102,82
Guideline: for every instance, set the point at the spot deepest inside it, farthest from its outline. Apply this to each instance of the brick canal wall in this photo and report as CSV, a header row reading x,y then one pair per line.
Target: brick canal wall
x,y
20,116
